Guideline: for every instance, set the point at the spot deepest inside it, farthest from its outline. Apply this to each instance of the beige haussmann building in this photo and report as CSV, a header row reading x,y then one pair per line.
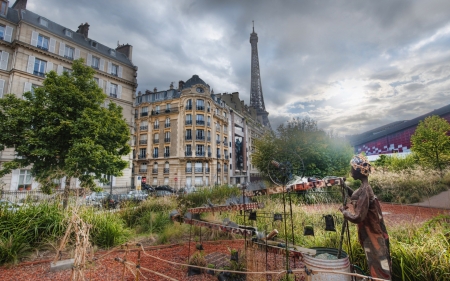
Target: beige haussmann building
x,y
32,45
182,136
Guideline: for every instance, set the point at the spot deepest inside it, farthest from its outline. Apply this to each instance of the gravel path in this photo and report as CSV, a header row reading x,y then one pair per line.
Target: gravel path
x,y
441,200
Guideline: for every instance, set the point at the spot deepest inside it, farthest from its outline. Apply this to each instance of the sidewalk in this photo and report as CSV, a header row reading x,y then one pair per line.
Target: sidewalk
x,y
442,201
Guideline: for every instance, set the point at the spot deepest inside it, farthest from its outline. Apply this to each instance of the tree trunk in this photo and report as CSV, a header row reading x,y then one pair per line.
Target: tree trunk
x,y
66,193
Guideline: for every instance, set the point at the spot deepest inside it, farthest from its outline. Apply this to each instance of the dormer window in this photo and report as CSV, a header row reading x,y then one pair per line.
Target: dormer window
x,y
68,32
43,21
94,44
3,7
112,52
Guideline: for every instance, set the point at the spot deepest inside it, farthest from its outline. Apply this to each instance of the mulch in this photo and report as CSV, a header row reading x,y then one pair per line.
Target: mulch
x,y
107,268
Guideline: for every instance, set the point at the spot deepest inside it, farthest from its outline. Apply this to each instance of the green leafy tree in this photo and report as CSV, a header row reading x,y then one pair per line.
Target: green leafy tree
x,y
63,130
431,142
305,146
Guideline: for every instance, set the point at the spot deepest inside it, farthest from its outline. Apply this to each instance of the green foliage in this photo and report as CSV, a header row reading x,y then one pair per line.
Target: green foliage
x,y
216,195
63,129
108,229
431,143
395,162
28,228
301,140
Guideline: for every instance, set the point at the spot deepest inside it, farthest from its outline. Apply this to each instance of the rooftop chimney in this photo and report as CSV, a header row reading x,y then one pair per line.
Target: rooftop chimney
x,y
180,85
20,5
126,49
83,29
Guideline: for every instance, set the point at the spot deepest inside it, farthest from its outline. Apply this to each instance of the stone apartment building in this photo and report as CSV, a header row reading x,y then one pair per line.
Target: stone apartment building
x,y
182,136
32,45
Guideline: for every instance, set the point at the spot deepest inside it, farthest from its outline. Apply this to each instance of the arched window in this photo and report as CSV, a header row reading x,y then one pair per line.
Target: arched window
x,y
189,104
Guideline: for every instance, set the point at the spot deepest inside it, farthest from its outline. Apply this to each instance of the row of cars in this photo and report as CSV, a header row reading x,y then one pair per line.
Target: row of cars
x,y
113,201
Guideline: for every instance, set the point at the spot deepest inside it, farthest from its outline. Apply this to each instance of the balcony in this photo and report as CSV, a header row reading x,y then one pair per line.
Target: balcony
x,y
188,170
225,142
188,107
155,112
166,170
156,126
200,138
155,155
142,141
154,171
113,95
200,107
155,141
200,122
42,74
69,57
188,153
40,47
218,141
199,170
144,114
166,154
167,125
167,110
143,128
200,153
143,170
188,122
188,138
166,139
142,156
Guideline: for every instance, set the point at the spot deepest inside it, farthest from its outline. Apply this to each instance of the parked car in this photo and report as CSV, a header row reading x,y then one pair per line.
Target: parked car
x,y
114,201
147,188
96,196
10,206
161,193
138,195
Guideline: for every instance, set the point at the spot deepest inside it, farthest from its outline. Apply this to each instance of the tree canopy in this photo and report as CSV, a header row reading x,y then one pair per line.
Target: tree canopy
x,y
431,143
305,146
62,129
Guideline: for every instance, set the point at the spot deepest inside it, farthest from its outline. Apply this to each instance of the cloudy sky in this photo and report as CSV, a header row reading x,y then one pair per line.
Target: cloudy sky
x,y
350,65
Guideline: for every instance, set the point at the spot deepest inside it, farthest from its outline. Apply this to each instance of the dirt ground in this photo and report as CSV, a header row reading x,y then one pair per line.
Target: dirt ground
x,y
153,261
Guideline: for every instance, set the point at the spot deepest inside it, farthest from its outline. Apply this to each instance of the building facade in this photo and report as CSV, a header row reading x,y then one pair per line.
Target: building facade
x,y
182,136
245,127
32,45
392,138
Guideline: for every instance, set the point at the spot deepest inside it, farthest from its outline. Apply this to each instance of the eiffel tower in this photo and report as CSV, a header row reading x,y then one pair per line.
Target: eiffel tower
x,y
256,94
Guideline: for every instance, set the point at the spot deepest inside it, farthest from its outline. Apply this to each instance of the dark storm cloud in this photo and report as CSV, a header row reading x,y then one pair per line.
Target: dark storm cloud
x,y
335,55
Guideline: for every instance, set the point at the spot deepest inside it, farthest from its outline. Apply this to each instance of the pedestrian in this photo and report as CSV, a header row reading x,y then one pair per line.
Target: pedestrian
x,y
372,233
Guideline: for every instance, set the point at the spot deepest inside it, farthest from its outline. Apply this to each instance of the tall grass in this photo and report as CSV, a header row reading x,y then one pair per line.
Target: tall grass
x,y
408,186
28,227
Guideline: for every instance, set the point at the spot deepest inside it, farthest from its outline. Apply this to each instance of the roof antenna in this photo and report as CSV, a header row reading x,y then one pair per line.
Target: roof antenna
x,y
253,26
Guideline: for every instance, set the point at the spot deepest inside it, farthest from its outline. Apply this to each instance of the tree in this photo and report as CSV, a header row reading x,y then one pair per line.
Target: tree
x,y
322,154
431,142
63,130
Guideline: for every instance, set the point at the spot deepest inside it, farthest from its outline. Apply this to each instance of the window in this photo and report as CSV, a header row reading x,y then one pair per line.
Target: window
x,y
24,179
3,7
94,44
157,108
167,137
142,153
167,124
200,134
188,150
39,67
168,107
156,138
156,124
95,62
189,104
112,52
42,42
166,151
68,32
68,52
155,152
114,69
188,134
68,70
2,32
43,21
113,90
200,150
200,104
200,119
188,119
